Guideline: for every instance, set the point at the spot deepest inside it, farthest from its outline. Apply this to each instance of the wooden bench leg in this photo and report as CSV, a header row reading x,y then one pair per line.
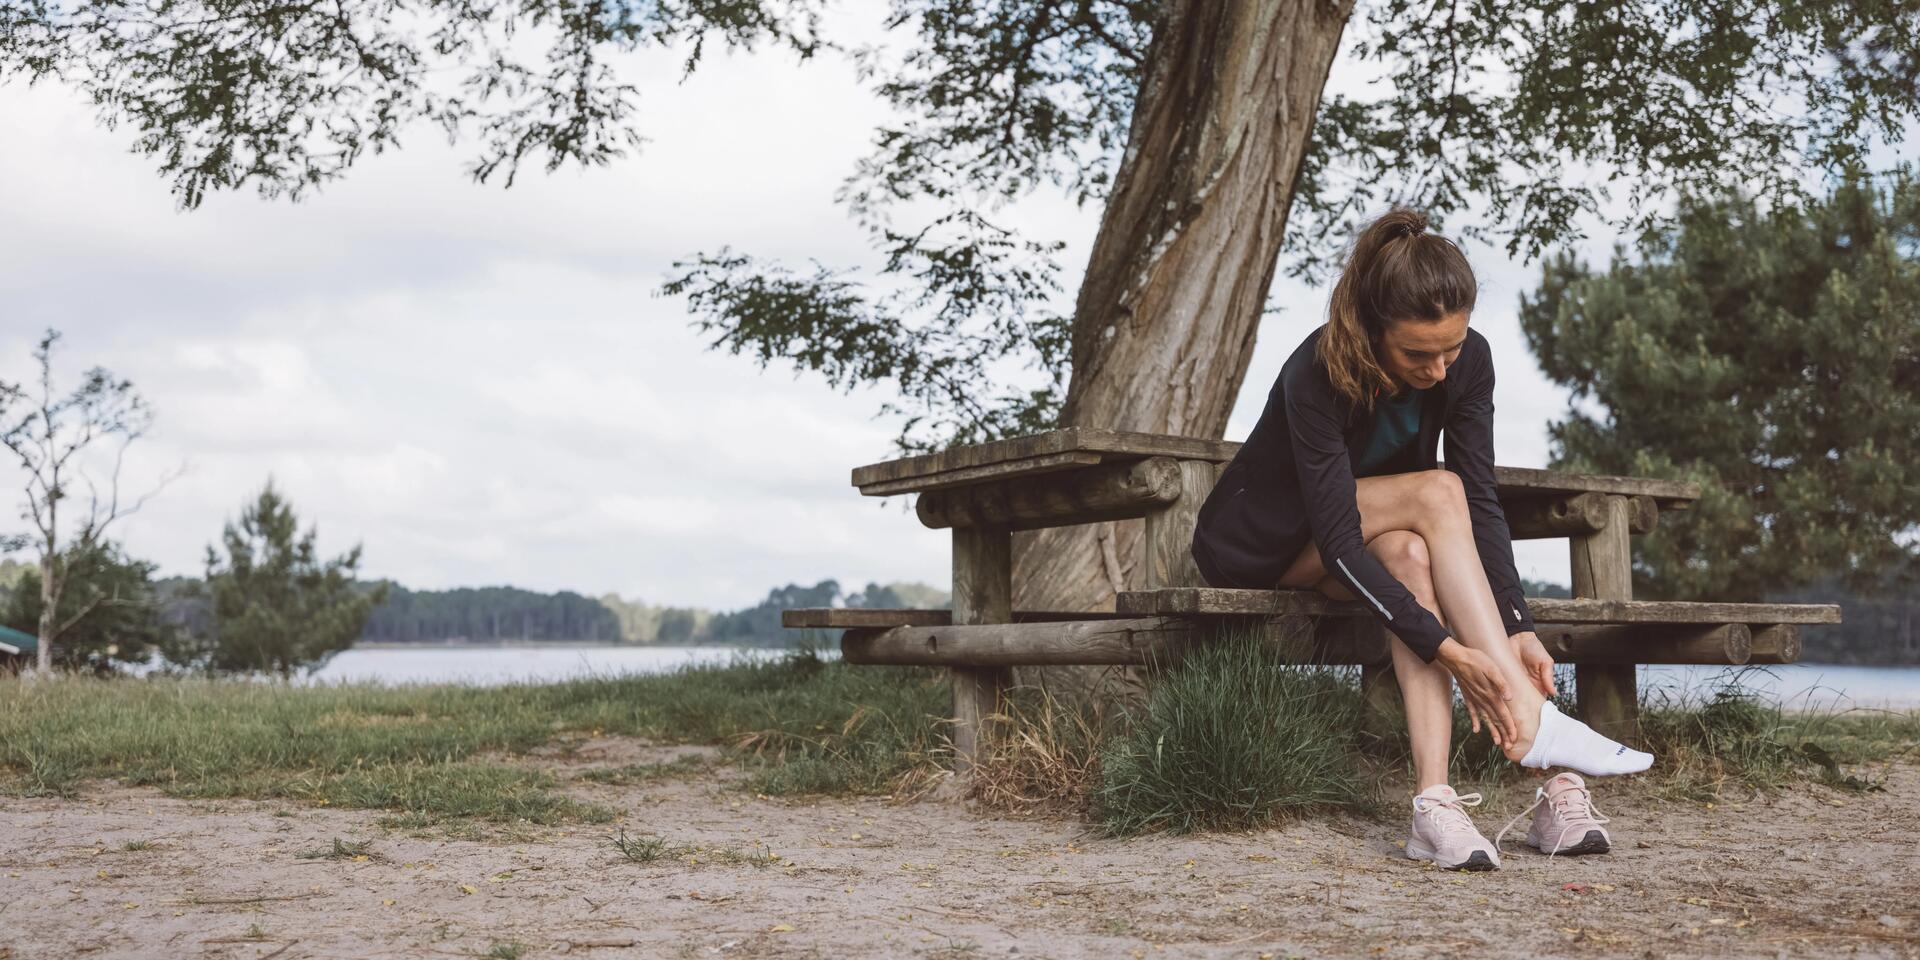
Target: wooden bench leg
x,y
1603,568
982,593
1168,537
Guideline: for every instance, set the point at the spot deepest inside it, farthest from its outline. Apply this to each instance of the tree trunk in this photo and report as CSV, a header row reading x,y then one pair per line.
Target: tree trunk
x,y
49,596
1165,322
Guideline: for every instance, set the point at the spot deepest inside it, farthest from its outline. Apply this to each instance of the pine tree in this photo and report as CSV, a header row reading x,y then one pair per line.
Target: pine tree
x,y
277,607
1773,356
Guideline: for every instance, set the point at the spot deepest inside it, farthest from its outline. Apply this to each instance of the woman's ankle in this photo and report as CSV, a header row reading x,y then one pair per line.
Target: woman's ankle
x,y
1526,716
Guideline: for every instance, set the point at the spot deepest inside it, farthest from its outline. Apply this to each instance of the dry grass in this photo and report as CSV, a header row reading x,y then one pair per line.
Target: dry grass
x,y
1040,754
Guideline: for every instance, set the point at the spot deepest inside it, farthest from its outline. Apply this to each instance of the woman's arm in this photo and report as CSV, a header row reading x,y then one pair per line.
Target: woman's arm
x,y
1325,472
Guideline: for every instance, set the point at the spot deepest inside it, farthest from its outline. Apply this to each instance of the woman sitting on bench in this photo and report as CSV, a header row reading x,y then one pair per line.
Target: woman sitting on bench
x,y
1337,488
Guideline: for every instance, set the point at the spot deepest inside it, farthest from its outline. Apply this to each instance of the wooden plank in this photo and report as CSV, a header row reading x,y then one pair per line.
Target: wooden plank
x,y
1134,641
882,479
1095,642
1628,644
1120,445
1536,518
982,594
842,618
1541,518
1137,641
1220,601
1603,569
1775,643
1110,491
1517,482
1678,611
1168,540
1027,467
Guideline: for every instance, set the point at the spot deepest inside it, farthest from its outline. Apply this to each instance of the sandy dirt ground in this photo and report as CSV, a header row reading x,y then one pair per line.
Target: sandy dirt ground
x,y
1811,873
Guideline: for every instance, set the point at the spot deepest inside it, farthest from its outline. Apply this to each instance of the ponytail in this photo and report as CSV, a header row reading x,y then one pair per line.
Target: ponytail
x,y
1395,271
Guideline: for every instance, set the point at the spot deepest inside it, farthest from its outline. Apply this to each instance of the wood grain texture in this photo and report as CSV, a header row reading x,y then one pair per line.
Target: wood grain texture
x,y
1091,642
1613,643
1109,491
1537,518
1134,641
1025,467
842,618
982,594
1108,444
1776,643
1604,693
1168,539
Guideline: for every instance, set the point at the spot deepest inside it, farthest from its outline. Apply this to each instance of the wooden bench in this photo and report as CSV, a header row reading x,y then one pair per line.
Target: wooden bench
x,y
984,492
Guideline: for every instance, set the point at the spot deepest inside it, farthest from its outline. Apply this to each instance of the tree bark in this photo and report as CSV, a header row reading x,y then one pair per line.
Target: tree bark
x,y
1165,323
49,592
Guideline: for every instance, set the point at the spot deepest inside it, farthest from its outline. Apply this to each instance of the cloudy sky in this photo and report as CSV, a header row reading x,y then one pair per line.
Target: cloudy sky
x,y
483,386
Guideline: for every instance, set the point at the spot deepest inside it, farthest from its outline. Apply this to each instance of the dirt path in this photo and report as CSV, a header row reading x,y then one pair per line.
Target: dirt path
x,y
1812,873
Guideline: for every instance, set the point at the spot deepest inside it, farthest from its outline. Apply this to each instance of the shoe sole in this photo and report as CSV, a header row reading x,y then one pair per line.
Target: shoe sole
x,y
1476,862
1593,842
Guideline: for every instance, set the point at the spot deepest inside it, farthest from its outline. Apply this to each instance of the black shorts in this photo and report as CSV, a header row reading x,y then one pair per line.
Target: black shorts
x,y
1211,571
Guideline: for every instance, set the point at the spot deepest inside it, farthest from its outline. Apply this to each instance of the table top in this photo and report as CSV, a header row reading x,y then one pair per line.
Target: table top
x,y
1081,447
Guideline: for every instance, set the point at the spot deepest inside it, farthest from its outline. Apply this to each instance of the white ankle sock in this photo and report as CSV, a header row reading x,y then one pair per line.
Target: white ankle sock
x,y
1563,741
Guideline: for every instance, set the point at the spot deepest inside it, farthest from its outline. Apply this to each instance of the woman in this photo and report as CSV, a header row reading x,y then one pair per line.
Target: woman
x,y
1337,489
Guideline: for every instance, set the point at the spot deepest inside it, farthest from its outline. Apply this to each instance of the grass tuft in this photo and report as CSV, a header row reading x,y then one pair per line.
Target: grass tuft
x,y
636,773
653,848
1237,735
1736,738
1041,754
340,850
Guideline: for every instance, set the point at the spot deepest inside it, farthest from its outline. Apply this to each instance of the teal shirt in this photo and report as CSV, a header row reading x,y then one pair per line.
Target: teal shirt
x,y
1396,428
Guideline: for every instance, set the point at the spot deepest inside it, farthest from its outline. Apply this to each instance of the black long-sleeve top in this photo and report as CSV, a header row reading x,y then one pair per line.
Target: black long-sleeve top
x,y
1293,479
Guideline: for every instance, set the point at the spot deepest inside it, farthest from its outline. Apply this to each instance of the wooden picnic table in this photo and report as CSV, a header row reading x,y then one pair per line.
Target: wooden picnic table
x,y
984,492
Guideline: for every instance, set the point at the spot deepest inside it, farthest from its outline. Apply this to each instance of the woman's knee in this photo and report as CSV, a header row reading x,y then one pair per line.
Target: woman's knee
x,y
1403,553
1441,491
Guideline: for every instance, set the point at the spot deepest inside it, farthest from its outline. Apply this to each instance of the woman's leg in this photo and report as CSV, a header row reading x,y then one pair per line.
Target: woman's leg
x,y
1433,504
1425,688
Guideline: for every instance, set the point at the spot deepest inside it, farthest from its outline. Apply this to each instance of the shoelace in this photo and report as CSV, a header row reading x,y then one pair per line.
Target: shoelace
x,y
1570,802
1457,825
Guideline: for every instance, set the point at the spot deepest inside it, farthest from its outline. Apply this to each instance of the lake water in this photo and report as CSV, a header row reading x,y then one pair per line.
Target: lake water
x,y
1801,685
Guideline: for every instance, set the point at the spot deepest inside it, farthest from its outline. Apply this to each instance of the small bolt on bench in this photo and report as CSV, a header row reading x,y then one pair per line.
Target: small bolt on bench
x,y
984,492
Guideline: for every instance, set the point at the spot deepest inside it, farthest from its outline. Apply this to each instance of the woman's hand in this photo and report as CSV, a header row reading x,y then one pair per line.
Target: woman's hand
x,y
1483,689
1535,660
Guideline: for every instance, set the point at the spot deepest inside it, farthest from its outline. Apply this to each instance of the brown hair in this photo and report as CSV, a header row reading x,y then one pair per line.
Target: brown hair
x,y
1395,270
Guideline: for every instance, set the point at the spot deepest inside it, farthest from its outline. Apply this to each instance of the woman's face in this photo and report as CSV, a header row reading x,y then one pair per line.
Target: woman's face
x,y
1417,353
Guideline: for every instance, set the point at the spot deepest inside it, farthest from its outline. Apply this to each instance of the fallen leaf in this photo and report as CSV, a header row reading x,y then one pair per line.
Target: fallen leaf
x,y
1574,886
781,928
469,888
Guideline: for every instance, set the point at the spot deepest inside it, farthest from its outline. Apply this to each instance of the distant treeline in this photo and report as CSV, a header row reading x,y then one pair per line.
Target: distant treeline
x,y
510,614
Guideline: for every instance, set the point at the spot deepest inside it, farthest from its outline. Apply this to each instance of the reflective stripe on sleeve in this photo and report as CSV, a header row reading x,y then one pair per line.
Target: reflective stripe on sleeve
x,y
1362,588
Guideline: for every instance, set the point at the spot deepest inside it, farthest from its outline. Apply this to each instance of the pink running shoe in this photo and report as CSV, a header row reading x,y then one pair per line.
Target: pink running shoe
x,y
1444,834
1564,820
